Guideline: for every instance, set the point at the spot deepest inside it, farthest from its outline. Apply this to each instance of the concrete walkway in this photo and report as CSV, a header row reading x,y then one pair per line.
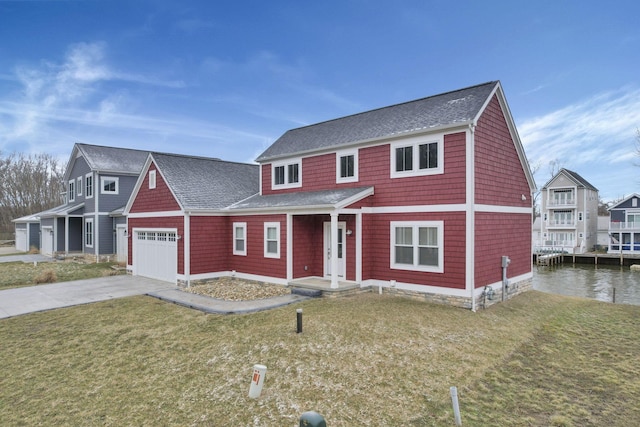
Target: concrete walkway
x,y
17,301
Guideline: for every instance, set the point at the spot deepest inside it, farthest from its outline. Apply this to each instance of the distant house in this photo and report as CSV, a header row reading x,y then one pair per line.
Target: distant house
x,y
569,210
624,225
99,181
431,198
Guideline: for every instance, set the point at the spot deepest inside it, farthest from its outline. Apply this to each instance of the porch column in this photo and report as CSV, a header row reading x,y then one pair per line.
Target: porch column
x,y
359,248
66,234
334,250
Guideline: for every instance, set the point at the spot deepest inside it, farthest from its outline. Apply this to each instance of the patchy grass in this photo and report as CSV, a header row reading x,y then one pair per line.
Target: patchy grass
x,y
17,274
538,359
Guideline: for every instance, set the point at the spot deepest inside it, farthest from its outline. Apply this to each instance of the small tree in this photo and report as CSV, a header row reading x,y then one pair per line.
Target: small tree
x,y
30,184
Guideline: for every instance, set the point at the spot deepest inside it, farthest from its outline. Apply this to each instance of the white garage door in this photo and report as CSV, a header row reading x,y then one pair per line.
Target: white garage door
x,y
21,240
155,254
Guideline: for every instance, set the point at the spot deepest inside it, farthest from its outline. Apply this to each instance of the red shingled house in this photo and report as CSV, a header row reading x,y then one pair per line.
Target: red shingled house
x,y
422,198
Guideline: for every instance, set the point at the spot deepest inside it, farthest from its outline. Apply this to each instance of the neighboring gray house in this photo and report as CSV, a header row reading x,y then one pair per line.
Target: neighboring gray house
x,y
27,232
99,181
624,225
569,210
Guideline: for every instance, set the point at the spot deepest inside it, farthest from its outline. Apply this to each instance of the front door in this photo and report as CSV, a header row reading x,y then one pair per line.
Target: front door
x,y
340,249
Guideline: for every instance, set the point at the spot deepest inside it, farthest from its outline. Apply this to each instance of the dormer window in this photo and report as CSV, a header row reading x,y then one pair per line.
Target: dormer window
x,y
286,174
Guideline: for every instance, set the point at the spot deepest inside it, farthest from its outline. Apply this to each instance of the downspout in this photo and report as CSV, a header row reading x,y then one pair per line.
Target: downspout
x,y
470,216
289,247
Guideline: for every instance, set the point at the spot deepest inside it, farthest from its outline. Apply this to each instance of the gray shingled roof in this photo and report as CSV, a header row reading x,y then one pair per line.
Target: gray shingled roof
x,y
202,183
575,176
113,159
447,109
317,199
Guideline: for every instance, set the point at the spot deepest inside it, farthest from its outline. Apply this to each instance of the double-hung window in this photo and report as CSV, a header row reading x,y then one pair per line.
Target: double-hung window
x,y
88,232
287,174
272,240
88,185
347,166
72,190
417,245
417,156
240,238
79,187
108,185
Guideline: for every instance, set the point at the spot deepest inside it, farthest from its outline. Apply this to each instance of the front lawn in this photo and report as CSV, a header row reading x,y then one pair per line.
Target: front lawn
x,y
17,274
538,359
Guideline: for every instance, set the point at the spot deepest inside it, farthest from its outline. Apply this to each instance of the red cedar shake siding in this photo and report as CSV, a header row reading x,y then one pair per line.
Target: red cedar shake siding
x,y
319,173
510,240
500,179
211,243
159,199
377,245
255,262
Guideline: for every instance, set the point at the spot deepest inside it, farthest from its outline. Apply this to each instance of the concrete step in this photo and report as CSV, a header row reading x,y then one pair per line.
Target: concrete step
x,y
314,293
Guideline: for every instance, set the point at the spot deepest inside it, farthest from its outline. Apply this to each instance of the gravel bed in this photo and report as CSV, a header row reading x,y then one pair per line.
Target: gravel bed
x,y
233,289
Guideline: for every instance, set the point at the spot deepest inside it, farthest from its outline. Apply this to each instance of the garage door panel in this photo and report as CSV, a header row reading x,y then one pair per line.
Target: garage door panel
x,y
156,254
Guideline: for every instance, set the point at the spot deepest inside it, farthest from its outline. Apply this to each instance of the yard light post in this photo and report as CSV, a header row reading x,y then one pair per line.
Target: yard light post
x,y
299,320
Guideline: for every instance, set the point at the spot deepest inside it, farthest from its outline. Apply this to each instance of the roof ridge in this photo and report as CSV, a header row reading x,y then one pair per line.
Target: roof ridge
x,y
395,105
189,156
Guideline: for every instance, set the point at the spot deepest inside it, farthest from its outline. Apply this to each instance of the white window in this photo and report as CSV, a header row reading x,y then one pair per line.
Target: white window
x,y
417,245
240,238
286,174
634,202
72,190
108,185
88,232
79,187
272,240
152,180
347,166
417,156
88,185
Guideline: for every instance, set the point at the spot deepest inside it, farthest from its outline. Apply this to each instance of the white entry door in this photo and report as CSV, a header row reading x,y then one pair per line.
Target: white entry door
x,y
121,243
47,241
155,254
341,249
21,239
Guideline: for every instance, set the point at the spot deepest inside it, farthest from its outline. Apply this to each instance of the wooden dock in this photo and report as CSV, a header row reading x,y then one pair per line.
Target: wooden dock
x,y
592,258
549,259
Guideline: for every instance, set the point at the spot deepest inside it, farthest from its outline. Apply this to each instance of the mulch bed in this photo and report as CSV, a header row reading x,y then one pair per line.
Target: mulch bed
x,y
234,289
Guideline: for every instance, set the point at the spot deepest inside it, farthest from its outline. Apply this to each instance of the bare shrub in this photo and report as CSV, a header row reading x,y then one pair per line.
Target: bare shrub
x,y
46,276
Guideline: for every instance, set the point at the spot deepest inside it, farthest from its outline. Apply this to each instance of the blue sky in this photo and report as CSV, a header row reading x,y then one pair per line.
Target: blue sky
x,y
226,78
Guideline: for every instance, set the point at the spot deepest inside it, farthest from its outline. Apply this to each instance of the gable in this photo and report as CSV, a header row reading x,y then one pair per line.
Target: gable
x,y
158,199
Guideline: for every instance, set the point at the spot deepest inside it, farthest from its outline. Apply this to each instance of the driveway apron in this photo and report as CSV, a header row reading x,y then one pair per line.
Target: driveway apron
x,y
17,301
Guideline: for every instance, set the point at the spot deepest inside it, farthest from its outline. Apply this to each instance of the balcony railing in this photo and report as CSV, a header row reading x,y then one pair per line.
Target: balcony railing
x,y
569,223
561,202
619,225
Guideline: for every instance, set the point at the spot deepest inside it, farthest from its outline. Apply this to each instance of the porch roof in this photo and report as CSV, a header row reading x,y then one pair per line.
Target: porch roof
x,y
62,210
326,199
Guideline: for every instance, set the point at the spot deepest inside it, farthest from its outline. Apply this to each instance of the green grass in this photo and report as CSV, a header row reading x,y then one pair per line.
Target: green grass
x,y
18,274
536,360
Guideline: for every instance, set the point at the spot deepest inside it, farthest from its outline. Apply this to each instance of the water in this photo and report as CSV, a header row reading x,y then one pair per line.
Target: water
x,y
589,281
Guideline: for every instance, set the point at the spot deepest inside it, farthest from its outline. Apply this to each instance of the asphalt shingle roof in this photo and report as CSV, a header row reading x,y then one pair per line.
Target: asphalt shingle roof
x,y
447,109
320,199
113,159
202,183
575,176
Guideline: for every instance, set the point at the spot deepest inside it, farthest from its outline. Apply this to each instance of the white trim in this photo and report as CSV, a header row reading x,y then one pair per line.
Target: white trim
x,y
152,179
72,183
155,214
88,221
86,193
289,246
345,153
286,164
79,186
503,209
267,226
470,217
415,209
110,178
186,243
243,227
415,227
415,143
375,283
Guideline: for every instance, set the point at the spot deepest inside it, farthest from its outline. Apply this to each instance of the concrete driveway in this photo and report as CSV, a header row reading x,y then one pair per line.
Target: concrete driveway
x,y
14,302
